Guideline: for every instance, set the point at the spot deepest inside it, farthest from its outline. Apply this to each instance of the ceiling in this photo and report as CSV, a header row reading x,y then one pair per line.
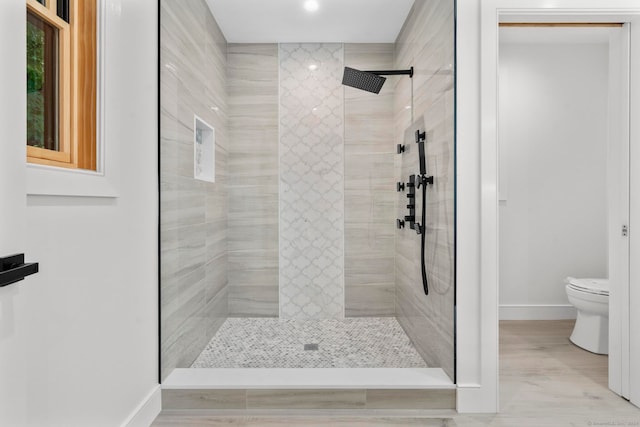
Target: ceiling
x,y
286,21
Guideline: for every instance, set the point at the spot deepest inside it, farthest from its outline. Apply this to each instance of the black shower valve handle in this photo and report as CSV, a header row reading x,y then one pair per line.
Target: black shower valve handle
x,y
421,136
399,223
400,148
400,186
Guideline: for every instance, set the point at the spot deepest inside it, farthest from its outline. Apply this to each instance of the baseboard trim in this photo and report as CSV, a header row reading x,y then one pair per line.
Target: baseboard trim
x,y
537,311
147,410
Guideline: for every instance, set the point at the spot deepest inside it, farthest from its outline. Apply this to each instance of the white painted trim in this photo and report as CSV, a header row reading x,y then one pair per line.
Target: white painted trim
x,y
476,327
618,209
474,398
537,311
147,410
56,181
631,331
491,12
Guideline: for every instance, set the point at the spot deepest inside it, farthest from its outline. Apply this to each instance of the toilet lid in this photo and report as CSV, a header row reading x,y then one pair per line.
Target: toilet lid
x,y
592,286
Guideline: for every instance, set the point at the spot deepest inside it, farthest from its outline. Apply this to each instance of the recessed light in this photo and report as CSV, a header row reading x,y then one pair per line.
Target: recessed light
x,y
313,67
407,107
311,5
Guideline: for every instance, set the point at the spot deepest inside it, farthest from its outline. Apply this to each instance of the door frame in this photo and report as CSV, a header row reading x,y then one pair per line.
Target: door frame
x,y
618,162
617,202
492,12
14,319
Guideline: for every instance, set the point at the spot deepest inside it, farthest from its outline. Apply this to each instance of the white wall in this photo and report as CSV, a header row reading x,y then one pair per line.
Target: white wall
x,y
89,318
553,143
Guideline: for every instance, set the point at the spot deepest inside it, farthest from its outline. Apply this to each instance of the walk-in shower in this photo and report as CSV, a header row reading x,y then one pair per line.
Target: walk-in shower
x,y
288,257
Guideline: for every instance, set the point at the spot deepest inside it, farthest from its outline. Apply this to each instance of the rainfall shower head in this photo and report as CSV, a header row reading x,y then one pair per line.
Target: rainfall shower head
x,y
362,80
371,81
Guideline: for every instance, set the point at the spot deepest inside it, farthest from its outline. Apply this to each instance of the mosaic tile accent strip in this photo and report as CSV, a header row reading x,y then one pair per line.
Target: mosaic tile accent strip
x,y
311,151
280,343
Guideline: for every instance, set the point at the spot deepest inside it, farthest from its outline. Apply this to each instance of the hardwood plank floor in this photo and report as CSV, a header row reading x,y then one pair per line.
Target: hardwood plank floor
x,y
545,381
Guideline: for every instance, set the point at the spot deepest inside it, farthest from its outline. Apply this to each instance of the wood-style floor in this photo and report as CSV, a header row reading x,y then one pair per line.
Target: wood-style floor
x,y
545,381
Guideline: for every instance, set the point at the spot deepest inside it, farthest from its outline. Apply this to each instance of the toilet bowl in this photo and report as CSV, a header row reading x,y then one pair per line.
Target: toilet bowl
x,y
590,297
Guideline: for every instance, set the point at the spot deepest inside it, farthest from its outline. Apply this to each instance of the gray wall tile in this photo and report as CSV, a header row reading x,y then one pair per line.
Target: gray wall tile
x,y
204,399
193,213
252,77
427,43
306,399
369,188
411,399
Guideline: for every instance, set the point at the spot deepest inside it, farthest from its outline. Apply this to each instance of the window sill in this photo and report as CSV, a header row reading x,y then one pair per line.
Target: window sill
x,y
52,181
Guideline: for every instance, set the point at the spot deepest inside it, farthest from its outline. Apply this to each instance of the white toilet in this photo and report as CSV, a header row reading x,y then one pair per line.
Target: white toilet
x,y
591,298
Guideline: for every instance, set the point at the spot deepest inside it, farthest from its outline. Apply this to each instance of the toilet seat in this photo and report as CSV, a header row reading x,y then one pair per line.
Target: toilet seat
x,y
590,286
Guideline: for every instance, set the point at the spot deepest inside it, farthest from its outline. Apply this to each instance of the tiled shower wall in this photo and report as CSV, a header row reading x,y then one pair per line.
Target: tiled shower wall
x,y
427,43
369,188
252,76
193,213
311,181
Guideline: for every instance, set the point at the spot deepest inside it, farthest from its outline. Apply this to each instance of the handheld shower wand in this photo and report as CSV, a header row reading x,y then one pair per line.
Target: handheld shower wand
x,y
423,180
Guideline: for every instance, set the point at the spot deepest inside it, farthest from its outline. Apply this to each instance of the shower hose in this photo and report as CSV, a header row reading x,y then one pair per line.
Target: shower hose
x,y
423,234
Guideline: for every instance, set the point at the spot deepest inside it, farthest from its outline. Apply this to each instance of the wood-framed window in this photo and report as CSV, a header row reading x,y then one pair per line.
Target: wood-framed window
x,y
62,83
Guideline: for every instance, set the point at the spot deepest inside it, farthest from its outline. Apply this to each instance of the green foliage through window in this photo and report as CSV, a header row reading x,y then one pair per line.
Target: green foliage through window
x,y
41,84
35,84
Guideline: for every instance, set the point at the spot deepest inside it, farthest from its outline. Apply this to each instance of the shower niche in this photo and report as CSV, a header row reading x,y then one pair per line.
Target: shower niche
x,y
204,151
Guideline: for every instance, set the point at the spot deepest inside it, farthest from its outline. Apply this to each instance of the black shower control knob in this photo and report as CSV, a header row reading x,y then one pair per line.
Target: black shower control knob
x,y
410,218
399,223
411,196
400,186
400,148
411,206
421,136
411,184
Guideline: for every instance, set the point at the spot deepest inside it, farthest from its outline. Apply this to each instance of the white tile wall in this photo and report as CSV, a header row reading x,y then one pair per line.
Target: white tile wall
x,y
311,152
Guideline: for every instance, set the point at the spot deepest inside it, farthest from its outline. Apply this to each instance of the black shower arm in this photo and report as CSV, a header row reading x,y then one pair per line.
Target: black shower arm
x,y
408,72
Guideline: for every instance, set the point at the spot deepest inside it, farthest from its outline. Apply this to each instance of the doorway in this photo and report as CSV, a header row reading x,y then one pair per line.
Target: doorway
x,y
563,149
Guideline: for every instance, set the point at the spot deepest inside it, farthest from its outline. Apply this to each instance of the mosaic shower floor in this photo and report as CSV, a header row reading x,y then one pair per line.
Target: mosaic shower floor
x,y
276,343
